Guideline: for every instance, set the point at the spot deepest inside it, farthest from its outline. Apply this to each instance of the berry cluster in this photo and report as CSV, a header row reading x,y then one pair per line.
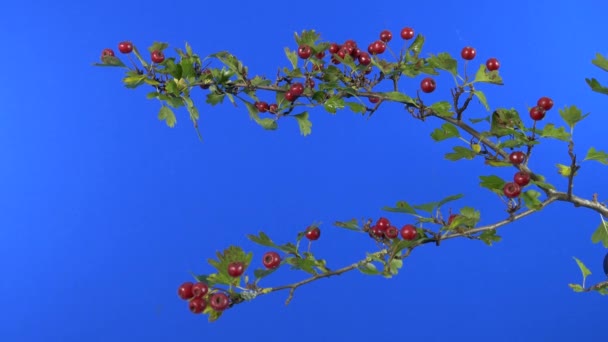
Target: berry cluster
x,y
126,47
383,229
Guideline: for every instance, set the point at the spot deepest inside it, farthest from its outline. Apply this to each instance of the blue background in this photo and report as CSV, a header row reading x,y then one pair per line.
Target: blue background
x,y
104,210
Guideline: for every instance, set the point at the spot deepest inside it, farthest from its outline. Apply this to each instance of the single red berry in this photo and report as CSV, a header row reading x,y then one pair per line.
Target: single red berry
x,y
386,36
511,190
391,232
492,64
333,48
125,47
273,108
261,106
197,305
158,56
297,89
545,102
376,231
468,53
350,43
236,269
320,55
185,291
521,178
343,52
407,33
289,96
199,290
379,47
106,53
355,53
428,85
371,49
364,58
219,301
271,260
517,157
374,99
408,232
349,49
313,233
451,218
304,51
383,223
537,113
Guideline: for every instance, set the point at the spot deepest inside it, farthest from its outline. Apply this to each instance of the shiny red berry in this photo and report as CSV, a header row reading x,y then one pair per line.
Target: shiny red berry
x,y
383,223
334,48
289,96
386,36
364,58
407,33
271,260
521,178
511,190
391,232
236,269
261,106
408,232
376,231
107,53
219,301
492,64
197,305
185,291
468,53
200,289
313,233
304,51
545,103
157,56
273,108
537,113
297,89
428,85
517,157
374,99
125,47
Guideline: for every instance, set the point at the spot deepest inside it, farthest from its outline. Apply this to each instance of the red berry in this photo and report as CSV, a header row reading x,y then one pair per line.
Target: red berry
x,y
492,64
304,51
333,48
199,290
511,190
185,291
537,113
364,58
391,232
197,305
545,102
297,89
320,55
355,53
374,99
261,106
271,260
451,218
377,47
350,43
106,53
408,232
468,53
219,301
428,85
158,56
125,47
383,223
517,157
521,178
386,36
313,233
376,231
273,108
343,52
289,96
236,269
407,33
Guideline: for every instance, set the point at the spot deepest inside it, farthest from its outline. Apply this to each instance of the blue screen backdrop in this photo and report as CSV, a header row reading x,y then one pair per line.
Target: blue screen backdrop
x,y
104,210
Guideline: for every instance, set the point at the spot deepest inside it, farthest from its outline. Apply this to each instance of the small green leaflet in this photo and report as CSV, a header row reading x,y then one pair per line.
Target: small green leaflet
x,y
572,115
394,266
369,269
442,108
443,61
483,75
267,123
550,131
416,45
333,104
261,273
584,270
531,200
167,115
460,153
292,56
430,207
576,287
600,61
356,107
158,46
478,120
482,99
214,99
446,131
110,61
133,80
352,224
401,207
304,124
262,239
489,237
138,55
494,183
563,170
399,97
596,86
596,155
601,234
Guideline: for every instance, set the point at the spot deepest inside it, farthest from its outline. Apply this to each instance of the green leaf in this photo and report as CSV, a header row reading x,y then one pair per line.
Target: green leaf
x,y
601,234
401,207
600,61
395,265
442,108
158,46
584,270
110,61
214,99
478,120
572,115
267,123
138,55
493,183
576,287
563,170
261,273
596,155
167,115
489,237
504,121
356,107
262,239
333,104
484,76
482,99
292,56
416,46
431,206
444,61
531,200
460,153
304,124
446,131
133,80
399,97
187,68
401,245
498,163
596,86
369,269
448,199
550,131
352,225
468,217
